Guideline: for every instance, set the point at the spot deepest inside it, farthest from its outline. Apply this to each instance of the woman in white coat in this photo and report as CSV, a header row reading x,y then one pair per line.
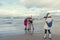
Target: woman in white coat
x,y
48,25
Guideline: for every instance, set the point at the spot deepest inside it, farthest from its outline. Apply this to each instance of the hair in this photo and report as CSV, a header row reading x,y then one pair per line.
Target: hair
x,y
47,14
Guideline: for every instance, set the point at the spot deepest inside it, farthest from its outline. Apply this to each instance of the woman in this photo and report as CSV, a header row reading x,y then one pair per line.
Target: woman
x,y
48,25
30,23
25,24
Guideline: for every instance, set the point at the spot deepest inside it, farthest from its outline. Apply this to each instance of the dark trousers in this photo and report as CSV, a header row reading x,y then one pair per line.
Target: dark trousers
x,y
47,31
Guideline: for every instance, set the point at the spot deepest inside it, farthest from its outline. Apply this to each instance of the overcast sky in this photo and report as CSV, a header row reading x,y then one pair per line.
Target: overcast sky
x,y
28,7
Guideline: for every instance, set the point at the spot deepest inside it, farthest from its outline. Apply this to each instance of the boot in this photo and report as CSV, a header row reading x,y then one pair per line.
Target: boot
x,y
45,36
50,36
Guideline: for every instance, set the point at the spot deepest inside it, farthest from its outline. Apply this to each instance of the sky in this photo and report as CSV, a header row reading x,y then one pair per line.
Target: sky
x,y
29,7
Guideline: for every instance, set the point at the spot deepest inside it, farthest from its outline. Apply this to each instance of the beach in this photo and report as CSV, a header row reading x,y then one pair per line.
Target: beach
x,y
39,12
15,31
35,36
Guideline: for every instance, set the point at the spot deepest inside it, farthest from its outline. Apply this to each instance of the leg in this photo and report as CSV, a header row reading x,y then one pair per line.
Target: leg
x,y
32,26
45,33
49,33
25,29
29,28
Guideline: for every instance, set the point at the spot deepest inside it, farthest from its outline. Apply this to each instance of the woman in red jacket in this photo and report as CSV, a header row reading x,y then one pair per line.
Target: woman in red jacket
x,y
25,24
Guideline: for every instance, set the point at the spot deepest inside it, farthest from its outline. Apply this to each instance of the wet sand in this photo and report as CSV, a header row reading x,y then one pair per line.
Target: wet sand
x,y
35,36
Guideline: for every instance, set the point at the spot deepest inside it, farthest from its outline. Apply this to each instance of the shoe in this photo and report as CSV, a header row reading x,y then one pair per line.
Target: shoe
x,y
45,36
50,36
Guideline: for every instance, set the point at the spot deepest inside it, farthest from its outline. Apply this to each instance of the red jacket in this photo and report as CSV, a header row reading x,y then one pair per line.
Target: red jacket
x,y
25,22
